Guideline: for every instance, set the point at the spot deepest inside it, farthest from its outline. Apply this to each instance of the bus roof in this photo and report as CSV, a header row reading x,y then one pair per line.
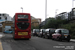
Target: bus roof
x,y
22,13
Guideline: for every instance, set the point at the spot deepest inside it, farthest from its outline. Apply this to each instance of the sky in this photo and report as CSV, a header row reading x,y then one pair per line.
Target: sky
x,y
35,7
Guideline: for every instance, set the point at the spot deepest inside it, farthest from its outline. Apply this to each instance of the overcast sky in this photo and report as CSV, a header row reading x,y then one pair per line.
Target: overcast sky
x,y
35,7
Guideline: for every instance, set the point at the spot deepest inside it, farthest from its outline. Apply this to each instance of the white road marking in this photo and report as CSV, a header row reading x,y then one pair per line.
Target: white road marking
x,y
72,40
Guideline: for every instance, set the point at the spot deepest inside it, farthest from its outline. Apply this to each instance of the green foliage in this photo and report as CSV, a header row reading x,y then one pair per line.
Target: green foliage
x,y
32,27
59,17
71,28
37,27
54,23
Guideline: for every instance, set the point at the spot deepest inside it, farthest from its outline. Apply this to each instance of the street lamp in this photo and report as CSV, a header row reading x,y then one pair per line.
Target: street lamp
x,y
56,12
22,9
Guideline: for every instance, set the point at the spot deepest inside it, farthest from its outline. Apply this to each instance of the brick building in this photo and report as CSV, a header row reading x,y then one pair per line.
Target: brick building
x,y
35,21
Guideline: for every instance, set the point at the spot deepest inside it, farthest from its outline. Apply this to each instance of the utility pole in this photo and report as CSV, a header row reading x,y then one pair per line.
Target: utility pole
x,y
45,9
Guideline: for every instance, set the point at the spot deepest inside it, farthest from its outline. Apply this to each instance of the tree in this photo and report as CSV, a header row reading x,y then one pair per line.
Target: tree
x,y
55,23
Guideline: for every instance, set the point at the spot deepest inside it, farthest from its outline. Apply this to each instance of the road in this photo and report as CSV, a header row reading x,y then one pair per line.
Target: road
x,y
35,43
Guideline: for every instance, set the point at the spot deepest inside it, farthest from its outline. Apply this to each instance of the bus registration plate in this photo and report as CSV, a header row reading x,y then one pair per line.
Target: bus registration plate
x,y
22,33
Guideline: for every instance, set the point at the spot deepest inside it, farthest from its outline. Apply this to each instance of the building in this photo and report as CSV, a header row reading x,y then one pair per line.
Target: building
x,y
4,17
46,21
7,25
72,14
62,16
35,21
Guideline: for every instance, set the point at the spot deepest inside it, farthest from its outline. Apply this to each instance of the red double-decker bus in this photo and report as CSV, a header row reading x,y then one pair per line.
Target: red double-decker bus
x,y
22,26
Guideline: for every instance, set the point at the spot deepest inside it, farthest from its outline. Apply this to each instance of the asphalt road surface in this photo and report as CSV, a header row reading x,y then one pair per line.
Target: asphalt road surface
x,y
35,43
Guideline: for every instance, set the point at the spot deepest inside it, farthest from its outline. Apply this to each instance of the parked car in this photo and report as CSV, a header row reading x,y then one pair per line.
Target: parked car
x,y
48,33
61,34
35,32
8,31
42,31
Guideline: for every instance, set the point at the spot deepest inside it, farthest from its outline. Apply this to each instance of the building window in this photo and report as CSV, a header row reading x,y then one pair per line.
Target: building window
x,y
3,14
0,17
6,18
0,14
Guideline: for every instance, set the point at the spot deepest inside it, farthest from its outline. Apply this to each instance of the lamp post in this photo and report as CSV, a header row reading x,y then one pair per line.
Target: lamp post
x,y
56,12
22,9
